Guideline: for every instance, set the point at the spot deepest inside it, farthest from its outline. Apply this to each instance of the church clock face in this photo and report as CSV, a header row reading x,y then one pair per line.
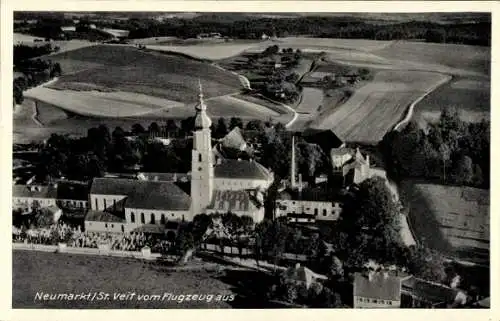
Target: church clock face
x,y
199,168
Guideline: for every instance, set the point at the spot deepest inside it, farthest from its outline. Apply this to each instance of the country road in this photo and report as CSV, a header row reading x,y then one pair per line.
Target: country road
x,y
409,114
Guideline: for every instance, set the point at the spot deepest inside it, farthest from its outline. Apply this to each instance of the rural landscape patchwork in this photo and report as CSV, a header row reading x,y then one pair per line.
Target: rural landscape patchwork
x,y
250,160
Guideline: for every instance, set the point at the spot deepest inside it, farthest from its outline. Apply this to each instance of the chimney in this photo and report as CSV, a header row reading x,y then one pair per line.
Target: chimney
x,y
300,185
368,160
297,265
292,167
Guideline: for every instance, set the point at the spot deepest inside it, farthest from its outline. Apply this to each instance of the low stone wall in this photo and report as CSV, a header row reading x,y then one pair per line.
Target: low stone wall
x,y
62,248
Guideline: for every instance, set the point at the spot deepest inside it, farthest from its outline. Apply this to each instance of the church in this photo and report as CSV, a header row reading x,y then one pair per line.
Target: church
x,y
214,185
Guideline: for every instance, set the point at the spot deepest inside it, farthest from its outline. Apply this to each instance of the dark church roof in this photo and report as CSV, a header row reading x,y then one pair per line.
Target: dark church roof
x,y
158,196
241,169
140,194
326,139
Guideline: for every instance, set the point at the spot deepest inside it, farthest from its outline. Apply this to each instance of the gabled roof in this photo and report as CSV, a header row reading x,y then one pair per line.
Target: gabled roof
x,y
429,291
155,195
112,186
302,274
326,139
379,287
231,200
98,216
72,191
49,192
241,169
158,196
234,139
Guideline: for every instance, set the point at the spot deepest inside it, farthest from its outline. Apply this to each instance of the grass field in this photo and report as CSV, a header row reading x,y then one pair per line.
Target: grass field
x,y
472,97
212,51
129,69
376,107
312,99
65,273
451,219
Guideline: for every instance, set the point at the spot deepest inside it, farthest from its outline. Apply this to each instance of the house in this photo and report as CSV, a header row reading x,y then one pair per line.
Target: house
x,y
302,276
376,290
313,205
419,293
99,221
326,139
72,195
351,167
31,197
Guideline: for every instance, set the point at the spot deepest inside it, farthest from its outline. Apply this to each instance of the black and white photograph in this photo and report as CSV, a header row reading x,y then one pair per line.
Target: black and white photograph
x,y
250,160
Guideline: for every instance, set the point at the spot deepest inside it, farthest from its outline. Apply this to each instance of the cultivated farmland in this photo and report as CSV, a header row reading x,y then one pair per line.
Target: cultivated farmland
x,y
470,58
471,97
376,107
452,219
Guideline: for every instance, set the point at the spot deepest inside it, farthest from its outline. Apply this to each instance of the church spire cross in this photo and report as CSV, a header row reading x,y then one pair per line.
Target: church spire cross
x,y
201,105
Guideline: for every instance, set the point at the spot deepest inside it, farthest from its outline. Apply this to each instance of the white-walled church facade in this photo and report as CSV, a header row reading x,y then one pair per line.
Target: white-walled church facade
x,y
226,185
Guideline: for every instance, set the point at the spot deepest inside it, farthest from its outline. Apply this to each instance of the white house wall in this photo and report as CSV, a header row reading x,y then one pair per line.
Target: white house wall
x,y
102,227
169,216
321,210
27,202
369,303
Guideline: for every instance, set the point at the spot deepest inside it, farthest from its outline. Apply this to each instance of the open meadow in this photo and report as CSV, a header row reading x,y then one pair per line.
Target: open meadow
x,y
376,107
66,273
133,70
451,219
72,273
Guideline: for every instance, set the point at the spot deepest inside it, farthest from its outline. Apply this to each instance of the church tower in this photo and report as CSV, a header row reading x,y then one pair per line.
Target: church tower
x,y
202,167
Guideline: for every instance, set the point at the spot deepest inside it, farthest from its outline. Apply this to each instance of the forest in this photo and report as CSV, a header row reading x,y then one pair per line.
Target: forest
x,y
252,27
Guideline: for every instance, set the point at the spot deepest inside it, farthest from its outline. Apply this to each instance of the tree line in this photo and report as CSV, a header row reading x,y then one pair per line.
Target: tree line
x,y
118,150
450,151
33,71
252,27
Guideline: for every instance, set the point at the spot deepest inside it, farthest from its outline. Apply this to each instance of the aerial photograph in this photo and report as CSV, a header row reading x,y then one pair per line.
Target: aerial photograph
x,y
240,160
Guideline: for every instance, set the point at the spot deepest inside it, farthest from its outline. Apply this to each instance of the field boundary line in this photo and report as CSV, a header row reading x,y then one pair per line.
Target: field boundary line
x,y
411,108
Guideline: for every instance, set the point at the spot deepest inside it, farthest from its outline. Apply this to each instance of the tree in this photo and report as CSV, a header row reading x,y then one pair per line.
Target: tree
x,y
137,129
371,222
445,152
235,122
463,171
427,264
255,124
184,241
154,129
221,128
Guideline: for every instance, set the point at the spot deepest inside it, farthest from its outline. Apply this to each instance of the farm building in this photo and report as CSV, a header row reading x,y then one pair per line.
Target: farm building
x,y
302,275
351,167
420,293
377,290
312,205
